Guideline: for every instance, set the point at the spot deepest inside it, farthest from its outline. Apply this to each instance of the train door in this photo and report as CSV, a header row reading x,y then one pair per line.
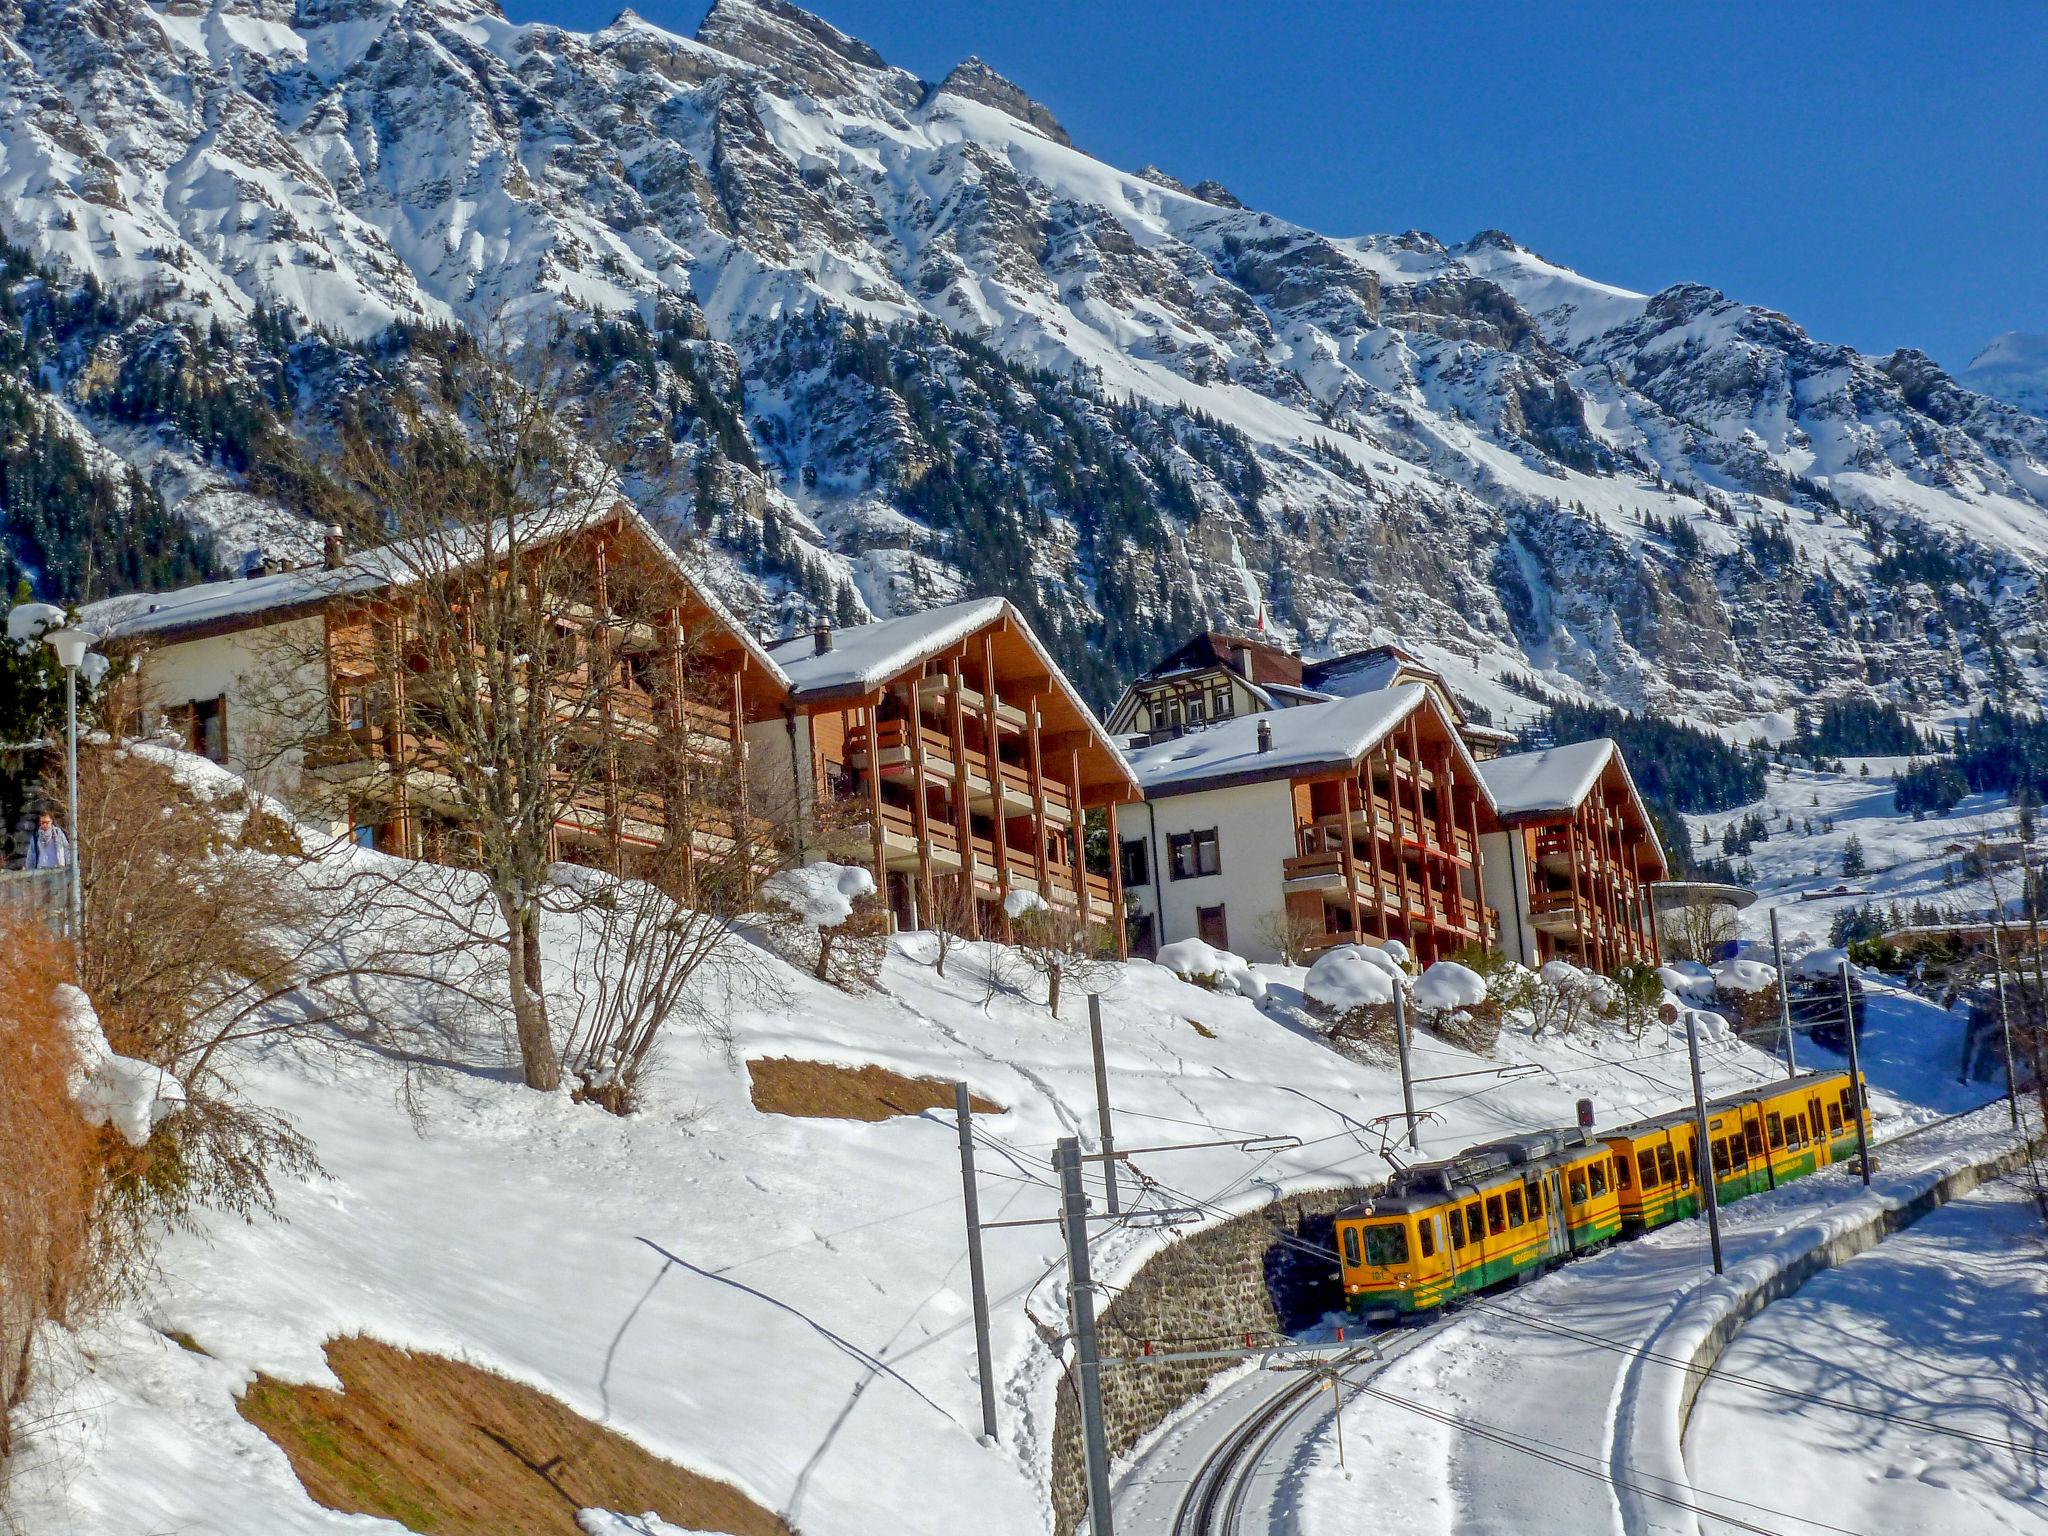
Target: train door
x,y
1556,1214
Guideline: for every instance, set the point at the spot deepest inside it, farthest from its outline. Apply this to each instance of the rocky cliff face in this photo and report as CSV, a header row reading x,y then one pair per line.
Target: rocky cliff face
x,y
911,341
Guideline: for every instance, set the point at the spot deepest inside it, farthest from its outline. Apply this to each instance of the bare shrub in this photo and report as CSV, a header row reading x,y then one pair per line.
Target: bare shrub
x,y
1633,994
1054,946
846,955
1699,931
50,1160
1292,937
953,918
1366,1030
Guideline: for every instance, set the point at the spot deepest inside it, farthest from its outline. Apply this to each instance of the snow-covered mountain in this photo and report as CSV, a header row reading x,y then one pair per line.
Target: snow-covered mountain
x,y
2013,368
915,342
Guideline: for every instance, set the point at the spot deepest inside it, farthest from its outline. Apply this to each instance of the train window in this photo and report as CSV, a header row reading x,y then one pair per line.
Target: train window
x,y
1834,1118
1351,1247
1473,1225
1720,1157
1597,1174
1795,1130
1426,1230
1665,1171
1578,1189
1515,1213
1386,1243
1496,1217
1738,1151
1848,1103
1535,1194
1457,1228
1775,1129
1753,1139
1620,1171
1646,1168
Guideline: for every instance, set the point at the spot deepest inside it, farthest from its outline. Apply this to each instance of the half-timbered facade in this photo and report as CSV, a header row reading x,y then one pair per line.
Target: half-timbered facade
x,y
1215,676
1572,866
947,751
303,679
1354,820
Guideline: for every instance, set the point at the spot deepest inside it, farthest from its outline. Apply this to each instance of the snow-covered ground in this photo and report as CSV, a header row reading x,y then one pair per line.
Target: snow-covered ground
x,y
1554,1408
777,1301
1904,860
1922,1369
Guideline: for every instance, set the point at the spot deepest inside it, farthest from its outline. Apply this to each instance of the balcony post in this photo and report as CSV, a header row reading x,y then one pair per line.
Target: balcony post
x,y
1400,843
875,795
1372,846
1038,831
1116,890
1429,911
1350,858
920,813
992,749
1447,837
1571,833
1080,833
963,814
1478,871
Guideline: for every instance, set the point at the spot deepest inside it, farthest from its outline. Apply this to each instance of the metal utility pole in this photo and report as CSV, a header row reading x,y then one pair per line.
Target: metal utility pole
x,y
1407,1080
1102,1101
1784,999
1856,1078
1066,1158
984,1368
1704,1155
2012,1092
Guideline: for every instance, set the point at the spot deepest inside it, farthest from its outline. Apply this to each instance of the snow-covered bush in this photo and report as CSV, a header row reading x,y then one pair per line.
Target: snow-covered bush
x,y
1217,969
1447,985
1563,1001
825,918
1352,986
129,1095
1053,943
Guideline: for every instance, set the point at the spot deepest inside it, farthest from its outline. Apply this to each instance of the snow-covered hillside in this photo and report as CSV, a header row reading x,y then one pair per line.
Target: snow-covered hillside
x,y
776,1300
2013,368
936,315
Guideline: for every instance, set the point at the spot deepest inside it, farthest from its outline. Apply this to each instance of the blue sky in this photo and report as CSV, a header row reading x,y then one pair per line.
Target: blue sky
x,y
1877,171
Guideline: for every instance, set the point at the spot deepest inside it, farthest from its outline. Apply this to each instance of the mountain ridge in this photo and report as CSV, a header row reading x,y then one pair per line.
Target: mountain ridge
x,y
926,345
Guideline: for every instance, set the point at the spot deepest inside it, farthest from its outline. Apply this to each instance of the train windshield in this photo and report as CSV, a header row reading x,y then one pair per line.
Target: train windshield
x,y
1386,1243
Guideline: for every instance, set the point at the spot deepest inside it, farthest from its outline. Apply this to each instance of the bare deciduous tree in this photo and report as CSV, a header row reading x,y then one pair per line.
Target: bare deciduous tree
x,y
1054,945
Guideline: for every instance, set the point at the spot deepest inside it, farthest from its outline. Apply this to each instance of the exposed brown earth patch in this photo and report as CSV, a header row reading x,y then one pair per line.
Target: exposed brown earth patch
x,y
818,1090
448,1449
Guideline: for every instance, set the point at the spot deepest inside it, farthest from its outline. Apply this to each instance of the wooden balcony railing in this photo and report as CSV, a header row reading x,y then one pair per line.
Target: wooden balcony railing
x,y
894,740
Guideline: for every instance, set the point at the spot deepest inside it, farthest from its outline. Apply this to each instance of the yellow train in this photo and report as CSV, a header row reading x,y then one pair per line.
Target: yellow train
x,y
1512,1208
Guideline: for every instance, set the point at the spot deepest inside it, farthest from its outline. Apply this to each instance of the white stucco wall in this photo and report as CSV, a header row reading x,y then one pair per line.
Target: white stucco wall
x,y
779,782
1501,863
1255,836
276,693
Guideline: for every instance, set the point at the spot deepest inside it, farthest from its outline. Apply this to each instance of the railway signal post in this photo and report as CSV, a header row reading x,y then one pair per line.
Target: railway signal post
x,y
1856,1078
1703,1157
1102,1101
1081,1302
963,1113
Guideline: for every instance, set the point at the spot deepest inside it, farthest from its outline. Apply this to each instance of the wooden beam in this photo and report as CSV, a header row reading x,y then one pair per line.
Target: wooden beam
x,y
1039,824
992,748
1400,841
963,815
1348,860
1578,907
920,812
1080,835
1372,847
1116,886
875,795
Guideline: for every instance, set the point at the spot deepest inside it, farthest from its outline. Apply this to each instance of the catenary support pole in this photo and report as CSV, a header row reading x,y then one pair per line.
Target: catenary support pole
x,y
2012,1092
1784,1000
1703,1156
1856,1077
963,1113
1407,1077
1081,1303
1102,1101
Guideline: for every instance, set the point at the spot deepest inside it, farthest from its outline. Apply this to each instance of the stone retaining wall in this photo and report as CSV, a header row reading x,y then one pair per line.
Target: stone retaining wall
x,y
1205,1291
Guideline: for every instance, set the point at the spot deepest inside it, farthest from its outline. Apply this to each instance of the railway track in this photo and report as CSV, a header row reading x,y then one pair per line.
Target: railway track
x,y
1216,1495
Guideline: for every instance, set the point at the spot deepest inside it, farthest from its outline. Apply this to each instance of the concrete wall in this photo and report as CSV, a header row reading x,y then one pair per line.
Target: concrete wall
x,y
1255,834
1503,864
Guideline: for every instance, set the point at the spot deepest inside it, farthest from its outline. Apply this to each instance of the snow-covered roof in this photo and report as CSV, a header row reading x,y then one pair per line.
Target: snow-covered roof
x,y
865,657
1556,780
216,606
1311,738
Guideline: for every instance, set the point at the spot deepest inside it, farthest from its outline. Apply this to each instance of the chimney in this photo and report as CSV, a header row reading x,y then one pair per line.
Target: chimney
x,y
1265,735
330,548
821,638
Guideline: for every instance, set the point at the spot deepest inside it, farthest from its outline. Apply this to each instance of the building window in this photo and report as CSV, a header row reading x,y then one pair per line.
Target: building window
x,y
1191,854
1212,927
1137,863
1195,711
1221,704
1141,935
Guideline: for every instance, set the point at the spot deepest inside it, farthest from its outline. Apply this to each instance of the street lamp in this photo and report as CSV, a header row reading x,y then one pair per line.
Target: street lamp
x,y
72,644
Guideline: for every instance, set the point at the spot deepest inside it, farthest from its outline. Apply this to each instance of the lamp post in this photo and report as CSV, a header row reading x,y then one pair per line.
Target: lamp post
x,y
71,645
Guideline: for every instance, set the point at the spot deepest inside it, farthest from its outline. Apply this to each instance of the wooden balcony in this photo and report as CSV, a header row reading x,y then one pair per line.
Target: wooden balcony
x,y
934,698
893,758
1326,833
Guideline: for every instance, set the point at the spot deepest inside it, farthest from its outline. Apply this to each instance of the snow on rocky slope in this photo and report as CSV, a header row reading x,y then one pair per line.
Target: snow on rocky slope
x,y
2013,368
931,301
779,1301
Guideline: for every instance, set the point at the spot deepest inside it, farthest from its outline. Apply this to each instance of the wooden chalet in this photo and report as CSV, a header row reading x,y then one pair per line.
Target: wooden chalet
x,y
1352,820
1572,867
211,658
946,747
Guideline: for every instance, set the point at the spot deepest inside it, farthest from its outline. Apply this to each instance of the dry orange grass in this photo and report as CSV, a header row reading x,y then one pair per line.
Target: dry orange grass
x,y
443,1447
818,1090
50,1165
